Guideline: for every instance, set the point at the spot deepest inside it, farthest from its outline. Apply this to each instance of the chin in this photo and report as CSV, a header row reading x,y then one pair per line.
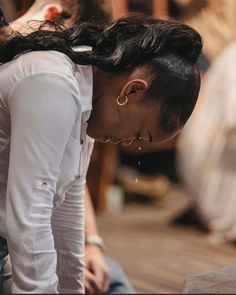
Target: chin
x,y
96,137
92,134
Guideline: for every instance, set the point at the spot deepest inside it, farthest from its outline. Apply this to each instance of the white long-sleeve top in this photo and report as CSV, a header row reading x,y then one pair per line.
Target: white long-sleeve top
x,y
45,101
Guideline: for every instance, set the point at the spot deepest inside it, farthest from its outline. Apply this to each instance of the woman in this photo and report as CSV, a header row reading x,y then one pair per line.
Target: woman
x,y
139,82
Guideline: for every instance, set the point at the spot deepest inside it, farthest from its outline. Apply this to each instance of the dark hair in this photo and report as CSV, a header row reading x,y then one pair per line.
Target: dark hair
x,y
169,50
77,11
3,22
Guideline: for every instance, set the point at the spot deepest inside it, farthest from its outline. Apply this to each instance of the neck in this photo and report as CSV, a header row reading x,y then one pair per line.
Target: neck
x,y
100,79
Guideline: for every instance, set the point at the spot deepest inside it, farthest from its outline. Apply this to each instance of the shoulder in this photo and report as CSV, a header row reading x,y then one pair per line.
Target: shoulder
x,y
43,65
38,62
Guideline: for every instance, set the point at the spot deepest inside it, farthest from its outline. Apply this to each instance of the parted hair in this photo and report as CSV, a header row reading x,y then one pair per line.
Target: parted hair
x,y
169,50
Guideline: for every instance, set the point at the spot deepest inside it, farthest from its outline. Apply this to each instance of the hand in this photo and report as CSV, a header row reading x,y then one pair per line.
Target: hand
x,y
96,271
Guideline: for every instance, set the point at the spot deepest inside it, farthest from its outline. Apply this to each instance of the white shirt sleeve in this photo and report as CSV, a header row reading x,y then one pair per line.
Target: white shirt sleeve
x,y
68,229
43,110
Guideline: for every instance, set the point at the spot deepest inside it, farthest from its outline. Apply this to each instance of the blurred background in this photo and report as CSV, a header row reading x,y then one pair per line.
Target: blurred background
x,y
167,211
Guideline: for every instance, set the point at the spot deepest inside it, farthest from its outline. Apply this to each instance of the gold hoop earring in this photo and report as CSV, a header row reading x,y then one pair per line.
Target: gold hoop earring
x,y
122,103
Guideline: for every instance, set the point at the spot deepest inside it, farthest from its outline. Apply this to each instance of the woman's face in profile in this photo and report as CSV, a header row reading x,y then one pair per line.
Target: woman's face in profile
x,y
138,119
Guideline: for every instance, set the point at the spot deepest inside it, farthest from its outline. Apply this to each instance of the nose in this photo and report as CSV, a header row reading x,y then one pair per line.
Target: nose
x,y
145,139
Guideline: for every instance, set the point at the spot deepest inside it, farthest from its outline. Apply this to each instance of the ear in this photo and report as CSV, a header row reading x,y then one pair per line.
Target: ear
x,y
52,11
135,88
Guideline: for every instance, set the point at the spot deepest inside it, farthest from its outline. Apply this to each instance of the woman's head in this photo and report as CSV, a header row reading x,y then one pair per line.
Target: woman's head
x,y
150,63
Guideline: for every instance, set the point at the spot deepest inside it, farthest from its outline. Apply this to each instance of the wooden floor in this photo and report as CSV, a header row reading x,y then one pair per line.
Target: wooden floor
x,y
157,257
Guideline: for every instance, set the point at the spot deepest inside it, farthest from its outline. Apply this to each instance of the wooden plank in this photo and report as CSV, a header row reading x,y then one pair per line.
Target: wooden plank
x,y
158,256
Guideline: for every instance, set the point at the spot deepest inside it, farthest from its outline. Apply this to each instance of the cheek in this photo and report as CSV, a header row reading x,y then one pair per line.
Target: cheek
x,y
103,119
129,126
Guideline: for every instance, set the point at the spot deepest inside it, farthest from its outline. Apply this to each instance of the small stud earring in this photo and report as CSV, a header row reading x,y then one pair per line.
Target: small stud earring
x,y
122,103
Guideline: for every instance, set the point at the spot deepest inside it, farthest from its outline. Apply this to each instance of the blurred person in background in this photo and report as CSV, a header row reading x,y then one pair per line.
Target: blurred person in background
x,y
203,175
214,20
207,164
157,8
102,274
206,158
173,115
70,12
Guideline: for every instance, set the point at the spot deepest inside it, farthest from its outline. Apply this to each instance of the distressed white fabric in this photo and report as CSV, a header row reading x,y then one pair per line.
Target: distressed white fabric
x,y
45,101
207,148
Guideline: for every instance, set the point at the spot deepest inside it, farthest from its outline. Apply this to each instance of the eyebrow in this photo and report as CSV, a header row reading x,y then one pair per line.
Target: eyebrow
x,y
150,136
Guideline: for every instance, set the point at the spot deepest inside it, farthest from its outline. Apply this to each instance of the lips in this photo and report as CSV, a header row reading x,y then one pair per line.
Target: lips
x,y
127,142
111,139
116,140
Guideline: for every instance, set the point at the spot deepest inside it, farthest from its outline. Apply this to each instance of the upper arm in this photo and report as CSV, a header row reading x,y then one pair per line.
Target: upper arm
x,y
43,111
